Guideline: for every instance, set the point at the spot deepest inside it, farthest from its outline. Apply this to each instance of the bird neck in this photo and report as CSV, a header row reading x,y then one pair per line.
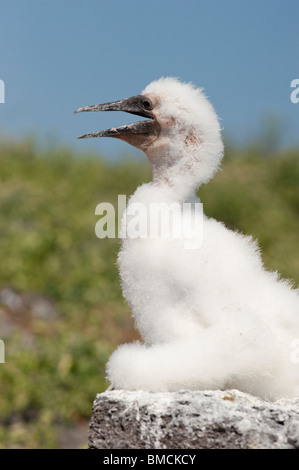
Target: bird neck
x,y
182,165
175,176
174,189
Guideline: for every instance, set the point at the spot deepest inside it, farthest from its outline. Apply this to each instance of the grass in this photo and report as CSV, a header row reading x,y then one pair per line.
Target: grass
x,y
55,366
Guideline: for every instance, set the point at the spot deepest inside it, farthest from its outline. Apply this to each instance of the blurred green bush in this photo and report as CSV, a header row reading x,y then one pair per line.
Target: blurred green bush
x,y
55,365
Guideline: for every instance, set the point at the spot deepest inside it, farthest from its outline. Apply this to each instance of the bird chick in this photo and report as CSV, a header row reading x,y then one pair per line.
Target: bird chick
x,y
210,317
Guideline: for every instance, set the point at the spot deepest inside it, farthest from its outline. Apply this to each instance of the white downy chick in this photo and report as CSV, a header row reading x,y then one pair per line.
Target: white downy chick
x,y
211,317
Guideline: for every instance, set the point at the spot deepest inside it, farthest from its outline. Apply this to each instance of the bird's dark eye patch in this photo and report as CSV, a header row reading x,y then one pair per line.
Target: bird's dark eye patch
x,y
147,104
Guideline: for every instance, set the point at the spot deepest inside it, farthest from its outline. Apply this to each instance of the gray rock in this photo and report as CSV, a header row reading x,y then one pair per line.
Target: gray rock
x,y
192,420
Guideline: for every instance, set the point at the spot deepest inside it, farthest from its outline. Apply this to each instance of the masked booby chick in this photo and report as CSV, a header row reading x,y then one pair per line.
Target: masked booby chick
x,y
211,317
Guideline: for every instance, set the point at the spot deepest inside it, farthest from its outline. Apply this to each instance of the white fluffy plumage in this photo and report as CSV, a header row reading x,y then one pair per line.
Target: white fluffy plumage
x,y
211,317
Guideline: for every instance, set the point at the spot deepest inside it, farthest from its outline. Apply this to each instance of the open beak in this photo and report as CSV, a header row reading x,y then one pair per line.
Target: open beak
x,y
134,133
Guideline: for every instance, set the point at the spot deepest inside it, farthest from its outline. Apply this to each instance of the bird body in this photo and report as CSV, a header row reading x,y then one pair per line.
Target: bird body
x,y
211,316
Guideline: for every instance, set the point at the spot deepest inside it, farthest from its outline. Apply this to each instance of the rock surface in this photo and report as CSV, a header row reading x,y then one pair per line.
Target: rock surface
x,y
192,420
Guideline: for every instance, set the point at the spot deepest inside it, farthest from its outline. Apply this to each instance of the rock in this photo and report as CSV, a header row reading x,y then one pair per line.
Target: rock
x,y
192,420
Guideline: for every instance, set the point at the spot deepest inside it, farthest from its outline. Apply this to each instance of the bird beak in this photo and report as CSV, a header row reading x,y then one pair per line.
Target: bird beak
x,y
135,133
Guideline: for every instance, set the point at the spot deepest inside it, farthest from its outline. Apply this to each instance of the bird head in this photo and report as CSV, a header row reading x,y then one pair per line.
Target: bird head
x,y
180,135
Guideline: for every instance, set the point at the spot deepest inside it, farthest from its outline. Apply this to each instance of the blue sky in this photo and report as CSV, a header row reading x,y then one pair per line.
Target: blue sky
x,y
57,55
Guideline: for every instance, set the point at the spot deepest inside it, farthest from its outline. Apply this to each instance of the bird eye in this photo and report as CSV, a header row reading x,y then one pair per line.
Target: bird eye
x,y
147,104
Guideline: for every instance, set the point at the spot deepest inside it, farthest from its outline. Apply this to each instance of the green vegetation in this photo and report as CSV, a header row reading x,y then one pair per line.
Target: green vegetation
x,y
55,364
